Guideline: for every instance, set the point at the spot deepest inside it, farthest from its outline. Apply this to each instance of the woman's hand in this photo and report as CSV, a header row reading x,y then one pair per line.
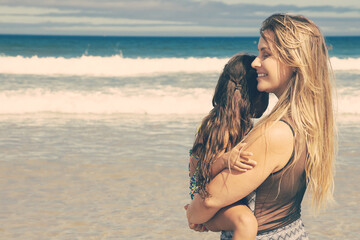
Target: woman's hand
x,y
238,160
196,227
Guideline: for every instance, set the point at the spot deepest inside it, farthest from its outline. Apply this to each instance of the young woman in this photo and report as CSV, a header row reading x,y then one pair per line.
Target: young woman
x,y
236,101
294,145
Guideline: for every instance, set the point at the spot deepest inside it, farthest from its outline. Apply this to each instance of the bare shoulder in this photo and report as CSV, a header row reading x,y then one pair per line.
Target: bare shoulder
x,y
281,143
281,134
275,132
274,142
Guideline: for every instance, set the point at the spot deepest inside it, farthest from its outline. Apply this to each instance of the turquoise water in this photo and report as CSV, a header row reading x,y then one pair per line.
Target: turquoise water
x,y
151,47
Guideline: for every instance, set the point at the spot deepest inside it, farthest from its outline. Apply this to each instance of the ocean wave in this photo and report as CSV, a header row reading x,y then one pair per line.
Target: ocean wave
x,y
118,66
107,66
166,100
152,101
345,64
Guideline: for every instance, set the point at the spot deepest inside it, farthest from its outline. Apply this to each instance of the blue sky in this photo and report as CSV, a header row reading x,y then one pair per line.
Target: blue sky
x,y
169,17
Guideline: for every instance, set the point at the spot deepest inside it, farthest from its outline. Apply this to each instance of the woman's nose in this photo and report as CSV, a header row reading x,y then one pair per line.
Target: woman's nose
x,y
256,63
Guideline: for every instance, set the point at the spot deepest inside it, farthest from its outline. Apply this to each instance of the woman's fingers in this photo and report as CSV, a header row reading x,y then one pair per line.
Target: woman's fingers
x,y
204,229
198,227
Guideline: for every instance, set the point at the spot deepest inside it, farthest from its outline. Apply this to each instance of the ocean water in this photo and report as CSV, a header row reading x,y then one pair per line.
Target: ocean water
x,y
95,133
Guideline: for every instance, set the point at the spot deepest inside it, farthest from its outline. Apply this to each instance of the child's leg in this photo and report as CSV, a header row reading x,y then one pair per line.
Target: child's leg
x,y
237,218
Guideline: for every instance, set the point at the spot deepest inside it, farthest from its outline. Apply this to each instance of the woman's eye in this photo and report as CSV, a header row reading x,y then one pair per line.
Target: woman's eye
x,y
265,55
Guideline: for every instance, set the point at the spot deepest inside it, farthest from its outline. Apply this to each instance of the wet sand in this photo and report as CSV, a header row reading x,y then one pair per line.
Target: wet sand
x,y
140,197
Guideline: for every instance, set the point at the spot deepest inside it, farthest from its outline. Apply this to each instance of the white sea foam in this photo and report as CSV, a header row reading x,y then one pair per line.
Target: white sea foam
x,y
119,66
166,100
107,66
345,64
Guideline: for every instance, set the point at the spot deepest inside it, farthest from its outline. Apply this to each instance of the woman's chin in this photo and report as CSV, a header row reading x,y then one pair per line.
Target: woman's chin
x,y
261,88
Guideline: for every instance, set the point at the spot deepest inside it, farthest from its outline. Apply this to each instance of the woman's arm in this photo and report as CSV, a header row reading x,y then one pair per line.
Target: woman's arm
x,y
271,150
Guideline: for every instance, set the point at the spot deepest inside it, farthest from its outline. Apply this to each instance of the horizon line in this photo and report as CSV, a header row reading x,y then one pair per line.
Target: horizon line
x,y
156,36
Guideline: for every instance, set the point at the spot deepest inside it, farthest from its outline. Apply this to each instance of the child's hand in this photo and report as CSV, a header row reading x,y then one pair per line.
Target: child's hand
x,y
239,160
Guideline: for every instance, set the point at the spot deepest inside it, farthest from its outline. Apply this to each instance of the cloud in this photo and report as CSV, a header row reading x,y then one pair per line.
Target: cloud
x,y
13,10
166,17
302,3
84,20
318,14
332,15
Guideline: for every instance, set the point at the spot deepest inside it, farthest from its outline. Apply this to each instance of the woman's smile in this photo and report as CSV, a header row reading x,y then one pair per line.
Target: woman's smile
x,y
262,75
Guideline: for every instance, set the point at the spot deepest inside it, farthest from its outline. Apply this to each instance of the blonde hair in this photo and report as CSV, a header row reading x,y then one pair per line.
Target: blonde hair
x,y
307,100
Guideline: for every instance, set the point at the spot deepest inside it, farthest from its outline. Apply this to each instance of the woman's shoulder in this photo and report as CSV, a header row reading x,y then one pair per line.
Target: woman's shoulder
x,y
276,131
275,140
280,131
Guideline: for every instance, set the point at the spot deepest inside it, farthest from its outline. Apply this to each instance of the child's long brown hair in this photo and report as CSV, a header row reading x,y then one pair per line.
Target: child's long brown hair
x,y
230,119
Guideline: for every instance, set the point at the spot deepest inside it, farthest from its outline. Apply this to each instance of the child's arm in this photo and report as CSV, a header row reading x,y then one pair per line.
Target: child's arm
x,y
222,163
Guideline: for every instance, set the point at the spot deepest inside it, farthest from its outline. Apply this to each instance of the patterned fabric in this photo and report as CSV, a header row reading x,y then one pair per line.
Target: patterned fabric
x,y
292,231
251,200
194,188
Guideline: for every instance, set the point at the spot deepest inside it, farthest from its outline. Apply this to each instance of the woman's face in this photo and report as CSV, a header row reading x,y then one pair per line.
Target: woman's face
x,y
272,75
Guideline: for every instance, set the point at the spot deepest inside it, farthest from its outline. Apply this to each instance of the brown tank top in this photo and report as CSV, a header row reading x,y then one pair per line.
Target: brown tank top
x,y
276,207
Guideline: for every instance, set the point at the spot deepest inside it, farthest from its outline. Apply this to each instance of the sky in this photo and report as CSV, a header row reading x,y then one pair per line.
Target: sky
x,y
169,17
